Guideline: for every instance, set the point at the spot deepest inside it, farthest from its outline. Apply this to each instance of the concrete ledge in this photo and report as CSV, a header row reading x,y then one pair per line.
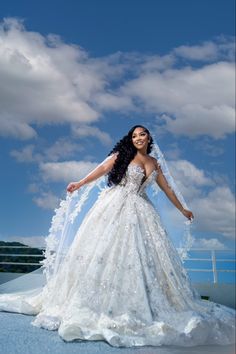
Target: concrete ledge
x,y
5,276
221,293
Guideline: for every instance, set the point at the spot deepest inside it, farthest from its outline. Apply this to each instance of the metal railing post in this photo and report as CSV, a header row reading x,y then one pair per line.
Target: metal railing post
x,y
214,270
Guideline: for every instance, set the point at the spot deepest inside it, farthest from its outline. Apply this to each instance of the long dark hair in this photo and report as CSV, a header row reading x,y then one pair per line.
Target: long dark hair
x,y
127,152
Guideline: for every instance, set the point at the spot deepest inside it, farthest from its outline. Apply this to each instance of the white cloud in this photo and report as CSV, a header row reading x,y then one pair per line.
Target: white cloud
x,y
194,120
189,101
215,212
206,51
46,200
213,207
157,63
33,188
66,171
190,179
10,127
113,102
25,154
61,149
43,80
222,48
46,81
209,148
84,131
211,243
173,152
190,173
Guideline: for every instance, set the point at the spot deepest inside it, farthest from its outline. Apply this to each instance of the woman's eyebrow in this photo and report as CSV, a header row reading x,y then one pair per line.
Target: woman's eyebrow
x,y
138,133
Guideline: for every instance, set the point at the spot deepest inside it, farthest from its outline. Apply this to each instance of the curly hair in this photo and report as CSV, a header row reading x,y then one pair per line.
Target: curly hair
x,y
126,153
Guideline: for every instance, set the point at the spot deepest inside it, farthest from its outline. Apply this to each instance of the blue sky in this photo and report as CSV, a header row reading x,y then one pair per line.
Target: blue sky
x,y
76,75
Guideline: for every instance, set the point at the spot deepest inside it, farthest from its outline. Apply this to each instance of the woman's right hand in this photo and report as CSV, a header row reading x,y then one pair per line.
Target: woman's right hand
x,y
188,214
73,186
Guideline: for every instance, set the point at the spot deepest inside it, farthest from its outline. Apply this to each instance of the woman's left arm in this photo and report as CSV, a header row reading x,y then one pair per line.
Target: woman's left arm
x,y
163,184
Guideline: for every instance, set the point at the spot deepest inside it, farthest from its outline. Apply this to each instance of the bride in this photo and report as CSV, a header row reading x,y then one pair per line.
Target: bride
x,y
118,277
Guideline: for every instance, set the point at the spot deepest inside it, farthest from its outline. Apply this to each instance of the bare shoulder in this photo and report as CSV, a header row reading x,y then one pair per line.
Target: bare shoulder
x,y
115,155
153,159
109,162
156,163
110,159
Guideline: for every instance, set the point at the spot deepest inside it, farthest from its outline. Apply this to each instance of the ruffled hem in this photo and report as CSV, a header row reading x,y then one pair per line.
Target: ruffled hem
x,y
188,329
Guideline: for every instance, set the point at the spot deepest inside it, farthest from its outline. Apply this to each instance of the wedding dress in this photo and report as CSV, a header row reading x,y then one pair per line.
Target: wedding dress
x,y
122,280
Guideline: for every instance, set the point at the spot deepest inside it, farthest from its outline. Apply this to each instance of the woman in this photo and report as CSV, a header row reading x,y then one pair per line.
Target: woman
x,y
122,280
136,153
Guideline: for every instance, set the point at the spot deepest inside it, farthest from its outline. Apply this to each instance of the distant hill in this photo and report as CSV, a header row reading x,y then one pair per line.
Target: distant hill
x,y
6,255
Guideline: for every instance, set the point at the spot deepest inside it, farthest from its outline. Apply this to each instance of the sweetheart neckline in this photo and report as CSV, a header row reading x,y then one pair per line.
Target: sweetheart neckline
x,y
143,171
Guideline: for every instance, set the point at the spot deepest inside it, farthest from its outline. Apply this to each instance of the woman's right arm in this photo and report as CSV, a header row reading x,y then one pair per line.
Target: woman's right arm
x,y
101,170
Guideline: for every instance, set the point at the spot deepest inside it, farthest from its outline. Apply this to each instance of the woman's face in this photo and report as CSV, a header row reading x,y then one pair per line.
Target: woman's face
x,y
140,139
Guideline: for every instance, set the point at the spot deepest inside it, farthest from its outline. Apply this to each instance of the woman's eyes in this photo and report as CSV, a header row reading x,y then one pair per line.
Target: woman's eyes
x,y
142,134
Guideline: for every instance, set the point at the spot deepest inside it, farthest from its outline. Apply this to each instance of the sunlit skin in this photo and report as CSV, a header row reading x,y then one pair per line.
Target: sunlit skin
x,y
140,139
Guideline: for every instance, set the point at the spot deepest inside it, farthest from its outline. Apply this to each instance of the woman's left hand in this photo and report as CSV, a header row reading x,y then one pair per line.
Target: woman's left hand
x,y
73,186
188,214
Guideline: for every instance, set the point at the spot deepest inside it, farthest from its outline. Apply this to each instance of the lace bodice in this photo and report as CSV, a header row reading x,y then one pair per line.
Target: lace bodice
x,y
135,180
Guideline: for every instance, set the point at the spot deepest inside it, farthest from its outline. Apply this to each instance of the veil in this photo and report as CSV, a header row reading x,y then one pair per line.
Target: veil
x,y
183,239
68,217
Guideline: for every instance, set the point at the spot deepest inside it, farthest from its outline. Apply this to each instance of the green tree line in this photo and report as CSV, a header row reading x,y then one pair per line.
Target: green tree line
x,y
6,255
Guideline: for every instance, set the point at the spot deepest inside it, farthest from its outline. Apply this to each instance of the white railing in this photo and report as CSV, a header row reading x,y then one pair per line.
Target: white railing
x,y
21,255
213,259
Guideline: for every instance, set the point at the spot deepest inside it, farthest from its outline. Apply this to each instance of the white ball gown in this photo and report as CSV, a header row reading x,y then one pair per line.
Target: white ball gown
x,y
122,280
